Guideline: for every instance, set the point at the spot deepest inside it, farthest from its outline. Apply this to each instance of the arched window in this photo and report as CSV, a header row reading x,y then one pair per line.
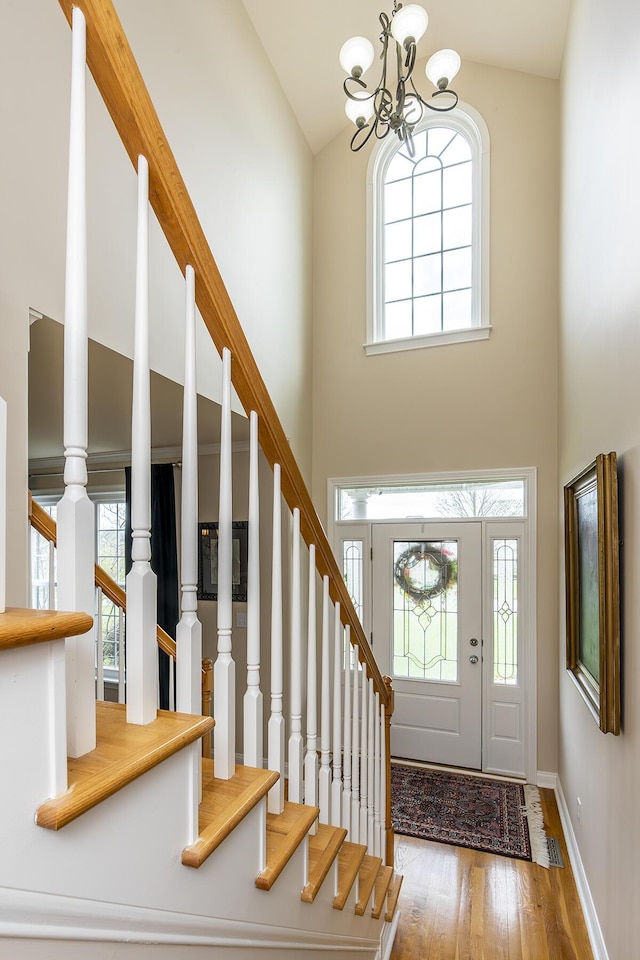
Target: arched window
x,y
428,224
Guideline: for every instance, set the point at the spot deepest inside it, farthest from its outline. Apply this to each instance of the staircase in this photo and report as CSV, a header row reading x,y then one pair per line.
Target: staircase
x,y
114,828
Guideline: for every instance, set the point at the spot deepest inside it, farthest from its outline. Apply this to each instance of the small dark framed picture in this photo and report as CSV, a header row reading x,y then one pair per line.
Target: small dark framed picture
x,y
593,589
208,561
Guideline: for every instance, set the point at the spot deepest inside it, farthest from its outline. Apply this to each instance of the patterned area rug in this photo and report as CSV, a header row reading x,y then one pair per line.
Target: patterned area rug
x,y
496,816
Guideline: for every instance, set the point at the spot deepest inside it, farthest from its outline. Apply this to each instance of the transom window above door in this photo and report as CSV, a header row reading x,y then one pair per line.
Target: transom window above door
x,y
428,224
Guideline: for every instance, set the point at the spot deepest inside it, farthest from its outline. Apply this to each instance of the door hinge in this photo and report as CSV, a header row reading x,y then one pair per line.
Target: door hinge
x,y
371,553
372,639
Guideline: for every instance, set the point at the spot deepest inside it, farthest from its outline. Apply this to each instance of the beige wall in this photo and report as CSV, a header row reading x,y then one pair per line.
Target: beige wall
x,y
249,171
465,406
599,351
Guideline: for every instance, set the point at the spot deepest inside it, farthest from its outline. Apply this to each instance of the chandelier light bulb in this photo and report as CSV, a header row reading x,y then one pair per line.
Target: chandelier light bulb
x,y
409,23
359,110
356,56
442,68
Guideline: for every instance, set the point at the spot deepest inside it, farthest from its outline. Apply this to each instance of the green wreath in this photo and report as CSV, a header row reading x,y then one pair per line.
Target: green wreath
x,y
441,572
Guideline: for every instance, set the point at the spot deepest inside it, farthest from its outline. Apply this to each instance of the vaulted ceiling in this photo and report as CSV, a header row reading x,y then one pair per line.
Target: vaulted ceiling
x,y
302,38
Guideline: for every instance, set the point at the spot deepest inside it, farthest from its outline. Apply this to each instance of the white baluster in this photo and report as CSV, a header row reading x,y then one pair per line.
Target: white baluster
x,y
364,779
121,656
296,743
355,753
224,672
253,721
99,646
371,769
76,554
383,784
189,629
324,776
142,615
338,673
276,720
311,755
376,750
346,791
3,502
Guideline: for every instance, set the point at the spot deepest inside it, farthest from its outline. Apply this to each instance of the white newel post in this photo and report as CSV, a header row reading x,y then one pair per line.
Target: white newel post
x,y
3,502
224,671
76,555
275,732
142,605
346,791
338,673
253,722
311,755
189,629
355,754
371,770
377,808
296,743
364,778
324,776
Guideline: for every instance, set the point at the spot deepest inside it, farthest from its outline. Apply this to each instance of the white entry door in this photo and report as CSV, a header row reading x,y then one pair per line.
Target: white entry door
x,y
427,629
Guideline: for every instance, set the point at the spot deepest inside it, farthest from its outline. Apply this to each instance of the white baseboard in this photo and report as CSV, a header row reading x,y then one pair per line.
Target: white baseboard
x,y
546,779
588,907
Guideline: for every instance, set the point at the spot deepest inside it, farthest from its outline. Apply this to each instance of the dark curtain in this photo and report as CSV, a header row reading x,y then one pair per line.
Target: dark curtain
x,y
164,559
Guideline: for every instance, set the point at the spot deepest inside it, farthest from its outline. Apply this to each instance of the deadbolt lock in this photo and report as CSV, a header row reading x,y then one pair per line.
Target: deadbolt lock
x,y
473,642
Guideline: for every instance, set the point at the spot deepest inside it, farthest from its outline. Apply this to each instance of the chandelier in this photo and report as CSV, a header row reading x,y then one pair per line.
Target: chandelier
x,y
377,111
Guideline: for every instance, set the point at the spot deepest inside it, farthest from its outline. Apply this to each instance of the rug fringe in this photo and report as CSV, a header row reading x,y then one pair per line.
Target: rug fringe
x,y
535,819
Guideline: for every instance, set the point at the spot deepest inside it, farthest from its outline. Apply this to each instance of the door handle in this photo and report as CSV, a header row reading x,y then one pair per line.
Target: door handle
x,y
473,659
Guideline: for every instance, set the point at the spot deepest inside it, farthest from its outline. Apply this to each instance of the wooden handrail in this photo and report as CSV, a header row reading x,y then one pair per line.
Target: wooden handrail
x,y
116,73
46,526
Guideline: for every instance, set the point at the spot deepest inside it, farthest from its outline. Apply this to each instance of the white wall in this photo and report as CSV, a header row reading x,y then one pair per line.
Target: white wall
x,y
599,352
467,406
247,167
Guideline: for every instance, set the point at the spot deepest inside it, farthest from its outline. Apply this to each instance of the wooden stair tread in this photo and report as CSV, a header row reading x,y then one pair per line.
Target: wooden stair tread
x,y
380,889
392,897
285,832
366,880
224,804
21,628
124,751
349,862
323,849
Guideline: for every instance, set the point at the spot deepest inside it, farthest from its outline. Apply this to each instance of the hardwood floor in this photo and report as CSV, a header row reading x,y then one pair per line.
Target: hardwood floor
x,y
459,904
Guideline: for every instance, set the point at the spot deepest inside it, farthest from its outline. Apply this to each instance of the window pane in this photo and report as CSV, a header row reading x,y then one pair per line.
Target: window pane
x,y
399,168
439,139
427,275
397,241
505,611
488,498
456,310
397,201
427,234
456,188
456,269
456,227
427,315
397,320
458,151
397,284
427,194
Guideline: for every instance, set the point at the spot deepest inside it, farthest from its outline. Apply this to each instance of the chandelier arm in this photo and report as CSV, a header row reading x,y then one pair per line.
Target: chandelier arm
x,y
444,109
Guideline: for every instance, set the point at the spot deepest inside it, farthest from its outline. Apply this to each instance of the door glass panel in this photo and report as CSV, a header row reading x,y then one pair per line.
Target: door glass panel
x,y
425,610
505,611
352,571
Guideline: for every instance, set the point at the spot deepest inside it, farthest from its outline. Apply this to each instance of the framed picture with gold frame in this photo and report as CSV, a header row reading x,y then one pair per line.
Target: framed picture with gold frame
x,y
593,588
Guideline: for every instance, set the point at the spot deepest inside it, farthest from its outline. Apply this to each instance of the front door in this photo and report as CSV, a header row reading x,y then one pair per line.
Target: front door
x,y
427,629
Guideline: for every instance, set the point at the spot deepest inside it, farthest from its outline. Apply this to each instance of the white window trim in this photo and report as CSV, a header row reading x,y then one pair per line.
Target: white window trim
x,y
465,119
530,521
